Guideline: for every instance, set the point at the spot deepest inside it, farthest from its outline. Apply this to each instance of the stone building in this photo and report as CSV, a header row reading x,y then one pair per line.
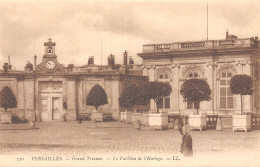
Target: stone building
x,y
47,86
215,61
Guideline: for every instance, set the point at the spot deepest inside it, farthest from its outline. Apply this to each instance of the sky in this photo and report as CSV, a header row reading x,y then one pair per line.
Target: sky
x,y
99,28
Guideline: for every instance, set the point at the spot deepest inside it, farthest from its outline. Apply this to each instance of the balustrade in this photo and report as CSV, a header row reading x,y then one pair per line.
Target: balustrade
x,y
212,44
226,43
193,44
163,46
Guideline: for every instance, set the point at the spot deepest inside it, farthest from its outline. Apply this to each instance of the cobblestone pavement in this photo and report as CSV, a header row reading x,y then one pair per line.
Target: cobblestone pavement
x,y
70,138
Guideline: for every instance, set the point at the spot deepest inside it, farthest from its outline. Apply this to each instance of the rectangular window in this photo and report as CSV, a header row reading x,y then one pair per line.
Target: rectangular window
x,y
230,102
165,103
223,102
191,105
160,104
222,92
222,82
226,97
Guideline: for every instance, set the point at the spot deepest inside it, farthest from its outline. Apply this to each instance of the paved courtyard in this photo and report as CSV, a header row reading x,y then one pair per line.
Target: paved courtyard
x,y
115,138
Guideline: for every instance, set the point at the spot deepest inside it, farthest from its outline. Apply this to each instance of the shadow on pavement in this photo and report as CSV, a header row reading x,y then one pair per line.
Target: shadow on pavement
x,y
21,129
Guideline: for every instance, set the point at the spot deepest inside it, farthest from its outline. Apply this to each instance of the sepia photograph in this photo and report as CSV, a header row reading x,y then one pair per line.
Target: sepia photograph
x,y
129,83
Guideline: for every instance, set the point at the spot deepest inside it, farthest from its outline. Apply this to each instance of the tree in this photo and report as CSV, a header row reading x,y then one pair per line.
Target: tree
x,y
141,96
96,97
133,95
7,98
127,97
70,66
157,91
195,90
243,85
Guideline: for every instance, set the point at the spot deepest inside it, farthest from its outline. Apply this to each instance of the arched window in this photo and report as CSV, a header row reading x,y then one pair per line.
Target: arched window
x,y
49,50
226,98
163,76
193,74
190,75
165,103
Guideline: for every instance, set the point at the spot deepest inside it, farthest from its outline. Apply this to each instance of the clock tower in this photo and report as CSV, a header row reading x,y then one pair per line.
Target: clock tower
x,y
49,49
49,62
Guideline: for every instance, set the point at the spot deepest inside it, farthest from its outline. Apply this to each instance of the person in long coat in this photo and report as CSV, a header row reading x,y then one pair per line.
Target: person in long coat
x,y
186,146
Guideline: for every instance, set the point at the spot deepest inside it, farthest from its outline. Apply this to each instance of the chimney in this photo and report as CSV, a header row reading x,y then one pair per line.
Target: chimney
x,y
35,59
227,34
9,64
91,60
28,67
125,57
5,67
256,38
111,61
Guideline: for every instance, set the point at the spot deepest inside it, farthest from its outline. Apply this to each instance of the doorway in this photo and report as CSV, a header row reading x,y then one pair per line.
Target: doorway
x,y
50,100
51,107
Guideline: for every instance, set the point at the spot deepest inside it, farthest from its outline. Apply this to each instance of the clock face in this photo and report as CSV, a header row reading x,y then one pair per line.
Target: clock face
x,y
50,64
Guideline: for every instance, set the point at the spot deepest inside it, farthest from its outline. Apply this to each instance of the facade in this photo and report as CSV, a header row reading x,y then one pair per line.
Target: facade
x,y
215,61
48,87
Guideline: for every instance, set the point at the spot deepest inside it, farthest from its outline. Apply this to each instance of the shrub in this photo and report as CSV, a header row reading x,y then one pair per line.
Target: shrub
x,y
7,98
157,91
96,97
195,90
243,85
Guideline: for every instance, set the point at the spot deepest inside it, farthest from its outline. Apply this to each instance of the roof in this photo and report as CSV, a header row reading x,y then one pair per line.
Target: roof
x,y
49,43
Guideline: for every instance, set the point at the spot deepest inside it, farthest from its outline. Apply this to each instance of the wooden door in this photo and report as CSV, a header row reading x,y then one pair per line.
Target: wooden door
x,y
45,109
56,108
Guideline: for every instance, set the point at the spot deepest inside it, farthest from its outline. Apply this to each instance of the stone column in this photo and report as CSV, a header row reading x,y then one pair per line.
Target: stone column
x,y
247,99
145,71
207,106
71,100
214,88
29,98
151,75
80,96
21,99
181,102
237,98
175,88
36,96
114,99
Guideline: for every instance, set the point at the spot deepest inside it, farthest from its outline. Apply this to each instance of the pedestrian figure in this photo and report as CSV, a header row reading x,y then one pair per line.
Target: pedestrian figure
x,y
80,120
186,146
138,124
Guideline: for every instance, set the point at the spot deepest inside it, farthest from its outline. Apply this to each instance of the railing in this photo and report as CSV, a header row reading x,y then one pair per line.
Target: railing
x,y
198,45
193,44
212,120
182,118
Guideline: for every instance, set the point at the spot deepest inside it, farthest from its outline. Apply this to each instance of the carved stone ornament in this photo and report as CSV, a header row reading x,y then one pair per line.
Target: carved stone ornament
x,y
57,67
226,67
175,65
193,67
163,70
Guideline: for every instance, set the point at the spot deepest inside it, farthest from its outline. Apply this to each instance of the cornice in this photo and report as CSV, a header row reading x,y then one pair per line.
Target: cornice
x,y
212,52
